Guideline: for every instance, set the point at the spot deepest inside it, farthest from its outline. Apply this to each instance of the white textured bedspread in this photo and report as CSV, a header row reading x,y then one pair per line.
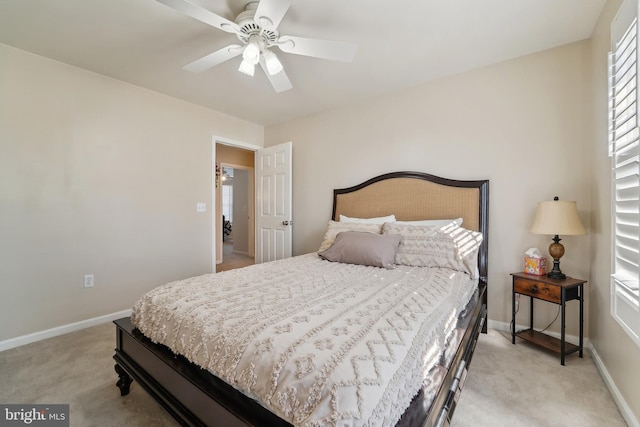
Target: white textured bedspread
x,y
317,343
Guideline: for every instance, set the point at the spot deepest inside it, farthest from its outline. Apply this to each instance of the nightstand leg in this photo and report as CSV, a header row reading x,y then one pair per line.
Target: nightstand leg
x,y
581,319
513,314
562,342
531,313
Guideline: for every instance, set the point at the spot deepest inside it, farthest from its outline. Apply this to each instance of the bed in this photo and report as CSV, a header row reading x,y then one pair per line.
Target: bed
x,y
181,380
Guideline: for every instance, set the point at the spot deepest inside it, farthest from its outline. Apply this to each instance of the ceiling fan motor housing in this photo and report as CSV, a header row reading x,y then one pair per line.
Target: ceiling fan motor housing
x,y
252,31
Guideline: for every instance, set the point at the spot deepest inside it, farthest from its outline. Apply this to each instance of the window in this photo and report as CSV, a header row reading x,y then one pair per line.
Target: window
x,y
227,202
227,193
624,149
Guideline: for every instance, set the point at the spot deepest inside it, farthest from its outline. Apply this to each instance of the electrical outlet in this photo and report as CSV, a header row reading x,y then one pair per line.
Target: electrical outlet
x,y
201,207
88,280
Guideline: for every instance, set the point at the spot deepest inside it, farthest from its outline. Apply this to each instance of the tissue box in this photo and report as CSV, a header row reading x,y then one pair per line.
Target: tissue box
x,y
536,266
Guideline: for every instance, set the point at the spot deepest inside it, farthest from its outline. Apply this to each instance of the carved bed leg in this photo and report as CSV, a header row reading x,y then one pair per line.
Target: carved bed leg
x,y
124,381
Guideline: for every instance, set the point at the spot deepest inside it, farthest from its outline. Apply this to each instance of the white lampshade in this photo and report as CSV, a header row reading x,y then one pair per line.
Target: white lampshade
x,y
251,53
557,217
274,66
247,67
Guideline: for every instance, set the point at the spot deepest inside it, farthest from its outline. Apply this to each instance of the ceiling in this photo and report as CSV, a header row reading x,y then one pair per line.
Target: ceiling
x,y
400,45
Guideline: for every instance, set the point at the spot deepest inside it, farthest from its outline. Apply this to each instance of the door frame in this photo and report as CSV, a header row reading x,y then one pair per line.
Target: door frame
x,y
216,139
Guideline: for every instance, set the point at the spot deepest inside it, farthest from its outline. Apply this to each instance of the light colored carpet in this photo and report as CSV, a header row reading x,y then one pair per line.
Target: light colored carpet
x,y
231,260
507,385
523,385
77,369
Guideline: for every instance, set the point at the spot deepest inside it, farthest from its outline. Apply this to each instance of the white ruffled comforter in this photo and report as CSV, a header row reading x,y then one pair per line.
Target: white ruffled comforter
x,y
315,342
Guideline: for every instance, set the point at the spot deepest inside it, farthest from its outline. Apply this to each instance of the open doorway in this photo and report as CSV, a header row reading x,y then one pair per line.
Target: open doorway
x,y
272,168
234,207
236,218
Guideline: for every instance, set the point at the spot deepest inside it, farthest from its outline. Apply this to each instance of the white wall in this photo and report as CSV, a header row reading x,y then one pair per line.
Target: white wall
x,y
518,124
102,177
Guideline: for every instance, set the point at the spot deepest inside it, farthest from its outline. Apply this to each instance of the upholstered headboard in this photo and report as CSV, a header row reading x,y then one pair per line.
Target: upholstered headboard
x,y
415,196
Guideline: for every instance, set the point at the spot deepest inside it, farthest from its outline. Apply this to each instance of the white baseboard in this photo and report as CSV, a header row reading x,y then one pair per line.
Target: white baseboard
x,y
61,330
624,409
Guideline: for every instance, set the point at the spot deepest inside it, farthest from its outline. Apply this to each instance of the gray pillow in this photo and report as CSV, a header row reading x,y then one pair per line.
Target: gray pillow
x,y
336,227
357,247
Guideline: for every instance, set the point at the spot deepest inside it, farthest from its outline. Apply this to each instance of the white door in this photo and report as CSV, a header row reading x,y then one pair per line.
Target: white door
x,y
273,203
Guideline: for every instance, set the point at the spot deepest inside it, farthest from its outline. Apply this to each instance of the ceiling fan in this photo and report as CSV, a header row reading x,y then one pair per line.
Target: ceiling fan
x,y
257,29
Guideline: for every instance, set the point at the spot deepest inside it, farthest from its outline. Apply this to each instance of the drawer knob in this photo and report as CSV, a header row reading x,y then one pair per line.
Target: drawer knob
x,y
534,289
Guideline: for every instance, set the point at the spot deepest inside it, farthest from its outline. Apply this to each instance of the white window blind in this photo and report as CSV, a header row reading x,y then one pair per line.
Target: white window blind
x,y
227,202
624,149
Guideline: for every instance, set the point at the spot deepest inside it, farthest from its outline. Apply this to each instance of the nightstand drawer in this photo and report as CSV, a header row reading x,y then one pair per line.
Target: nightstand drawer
x,y
537,289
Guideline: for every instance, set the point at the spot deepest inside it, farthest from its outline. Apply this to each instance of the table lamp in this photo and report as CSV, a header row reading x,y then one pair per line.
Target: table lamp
x,y
554,218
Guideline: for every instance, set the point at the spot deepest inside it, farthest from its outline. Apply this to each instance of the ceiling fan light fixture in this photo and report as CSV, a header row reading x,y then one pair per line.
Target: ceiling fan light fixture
x,y
247,67
251,53
274,66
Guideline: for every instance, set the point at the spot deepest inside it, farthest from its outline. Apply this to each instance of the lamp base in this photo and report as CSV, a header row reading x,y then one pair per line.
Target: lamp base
x,y
556,275
556,250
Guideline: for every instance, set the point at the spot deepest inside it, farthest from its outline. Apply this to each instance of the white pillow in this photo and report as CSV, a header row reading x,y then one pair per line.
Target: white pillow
x,y
451,247
377,220
433,222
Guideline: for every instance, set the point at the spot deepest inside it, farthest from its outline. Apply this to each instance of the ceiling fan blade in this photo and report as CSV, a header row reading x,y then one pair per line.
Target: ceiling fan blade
x,y
280,81
273,10
202,15
215,58
336,51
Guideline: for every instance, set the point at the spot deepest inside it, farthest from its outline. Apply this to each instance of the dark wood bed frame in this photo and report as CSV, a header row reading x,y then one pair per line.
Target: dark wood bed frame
x,y
195,397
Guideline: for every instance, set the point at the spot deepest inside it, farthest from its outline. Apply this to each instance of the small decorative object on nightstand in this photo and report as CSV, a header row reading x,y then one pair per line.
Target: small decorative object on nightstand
x,y
557,291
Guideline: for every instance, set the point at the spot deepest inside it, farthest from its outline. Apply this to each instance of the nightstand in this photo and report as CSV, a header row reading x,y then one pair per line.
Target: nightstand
x,y
556,291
